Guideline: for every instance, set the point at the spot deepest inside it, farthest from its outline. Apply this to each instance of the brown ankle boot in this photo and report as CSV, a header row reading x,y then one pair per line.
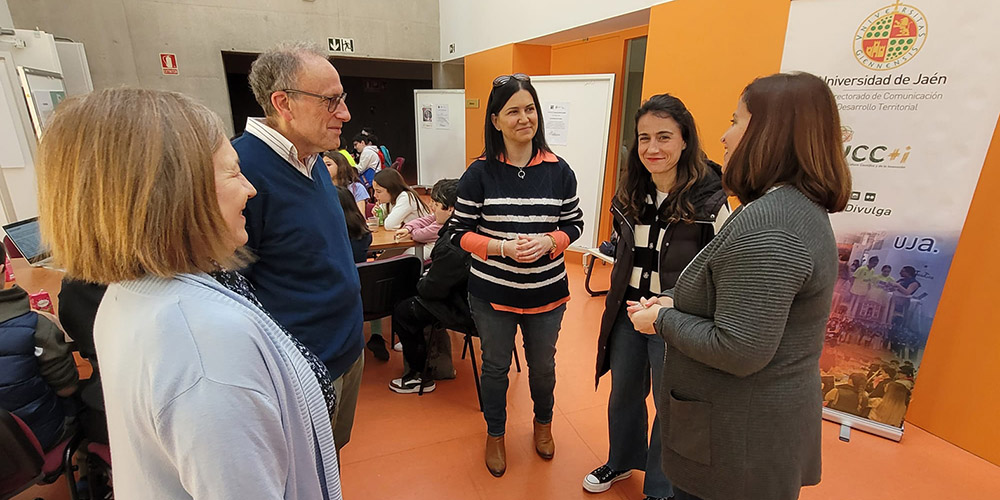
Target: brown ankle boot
x,y
544,444
496,455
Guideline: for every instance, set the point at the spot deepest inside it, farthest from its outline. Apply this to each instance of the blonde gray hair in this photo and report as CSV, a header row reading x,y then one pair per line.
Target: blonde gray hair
x,y
278,69
127,187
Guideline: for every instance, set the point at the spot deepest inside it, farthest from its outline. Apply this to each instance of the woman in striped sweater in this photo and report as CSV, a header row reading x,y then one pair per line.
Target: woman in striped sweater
x,y
517,211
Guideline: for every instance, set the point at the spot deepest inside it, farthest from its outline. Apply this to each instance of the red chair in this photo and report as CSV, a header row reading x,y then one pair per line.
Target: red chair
x,y
398,164
25,464
12,250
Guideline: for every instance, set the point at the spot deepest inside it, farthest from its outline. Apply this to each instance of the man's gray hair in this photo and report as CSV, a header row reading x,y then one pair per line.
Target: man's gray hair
x,y
277,68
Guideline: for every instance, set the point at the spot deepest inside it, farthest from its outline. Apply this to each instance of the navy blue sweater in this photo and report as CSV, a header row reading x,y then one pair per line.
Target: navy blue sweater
x,y
304,273
495,202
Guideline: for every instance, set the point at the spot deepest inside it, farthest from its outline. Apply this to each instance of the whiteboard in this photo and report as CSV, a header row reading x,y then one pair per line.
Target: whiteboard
x,y
44,90
439,118
17,147
576,111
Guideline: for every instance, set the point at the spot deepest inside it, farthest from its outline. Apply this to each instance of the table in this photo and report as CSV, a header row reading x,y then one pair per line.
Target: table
x,y
589,256
33,279
384,239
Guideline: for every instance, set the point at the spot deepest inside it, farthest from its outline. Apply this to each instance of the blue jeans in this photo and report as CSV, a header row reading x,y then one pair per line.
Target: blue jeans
x,y
636,367
496,334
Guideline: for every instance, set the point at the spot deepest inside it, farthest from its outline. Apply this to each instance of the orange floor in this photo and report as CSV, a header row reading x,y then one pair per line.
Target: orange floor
x,y
430,447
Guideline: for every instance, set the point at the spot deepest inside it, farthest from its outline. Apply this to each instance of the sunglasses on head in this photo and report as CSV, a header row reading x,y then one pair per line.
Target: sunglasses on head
x,y
502,80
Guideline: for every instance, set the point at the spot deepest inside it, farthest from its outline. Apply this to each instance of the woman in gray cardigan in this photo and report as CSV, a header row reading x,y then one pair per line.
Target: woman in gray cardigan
x,y
740,411
206,396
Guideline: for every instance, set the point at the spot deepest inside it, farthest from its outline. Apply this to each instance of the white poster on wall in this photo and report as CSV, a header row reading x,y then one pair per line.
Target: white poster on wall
x,y
557,123
427,116
442,117
915,84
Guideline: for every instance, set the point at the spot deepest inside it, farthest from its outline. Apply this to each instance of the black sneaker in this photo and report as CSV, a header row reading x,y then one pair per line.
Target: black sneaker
x,y
603,477
410,384
377,346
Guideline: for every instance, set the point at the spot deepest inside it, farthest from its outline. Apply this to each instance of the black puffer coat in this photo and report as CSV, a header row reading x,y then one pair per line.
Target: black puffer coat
x,y
684,241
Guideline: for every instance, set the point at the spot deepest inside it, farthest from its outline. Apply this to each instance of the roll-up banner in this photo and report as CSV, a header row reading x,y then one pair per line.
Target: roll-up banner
x,y
916,86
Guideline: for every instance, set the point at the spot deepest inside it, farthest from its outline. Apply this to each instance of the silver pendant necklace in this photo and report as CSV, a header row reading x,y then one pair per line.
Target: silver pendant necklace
x,y
520,172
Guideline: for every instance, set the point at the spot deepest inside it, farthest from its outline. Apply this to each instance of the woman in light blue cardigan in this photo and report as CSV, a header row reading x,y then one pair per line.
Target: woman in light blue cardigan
x,y
206,396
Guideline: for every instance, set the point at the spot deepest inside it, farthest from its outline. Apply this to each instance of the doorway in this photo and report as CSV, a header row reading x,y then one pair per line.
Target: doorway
x,y
635,60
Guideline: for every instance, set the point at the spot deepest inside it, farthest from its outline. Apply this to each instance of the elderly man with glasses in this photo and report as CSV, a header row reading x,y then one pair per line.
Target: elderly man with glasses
x,y
304,273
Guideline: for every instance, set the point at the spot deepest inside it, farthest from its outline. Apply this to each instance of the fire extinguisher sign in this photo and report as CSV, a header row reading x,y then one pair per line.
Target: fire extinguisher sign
x,y
168,63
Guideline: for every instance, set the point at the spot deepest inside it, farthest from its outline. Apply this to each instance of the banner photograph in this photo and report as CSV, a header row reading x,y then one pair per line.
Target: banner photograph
x,y
912,86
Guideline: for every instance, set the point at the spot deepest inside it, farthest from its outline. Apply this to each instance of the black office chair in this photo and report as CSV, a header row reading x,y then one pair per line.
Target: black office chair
x,y
385,283
467,348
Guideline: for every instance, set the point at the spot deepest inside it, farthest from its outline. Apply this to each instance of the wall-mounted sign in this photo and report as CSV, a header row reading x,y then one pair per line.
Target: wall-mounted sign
x,y
341,44
168,63
374,85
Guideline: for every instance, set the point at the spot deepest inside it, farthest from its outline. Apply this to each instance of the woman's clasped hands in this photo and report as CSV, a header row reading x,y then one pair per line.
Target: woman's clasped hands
x,y
644,312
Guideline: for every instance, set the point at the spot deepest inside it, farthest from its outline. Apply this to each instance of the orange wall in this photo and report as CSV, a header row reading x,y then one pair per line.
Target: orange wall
x,y
705,51
480,70
955,395
532,59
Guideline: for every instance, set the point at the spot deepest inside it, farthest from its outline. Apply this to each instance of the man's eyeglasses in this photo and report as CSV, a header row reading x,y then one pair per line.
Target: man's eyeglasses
x,y
502,80
332,101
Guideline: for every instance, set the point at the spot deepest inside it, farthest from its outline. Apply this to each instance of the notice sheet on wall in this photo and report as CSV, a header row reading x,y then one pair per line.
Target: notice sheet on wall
x,y
556,116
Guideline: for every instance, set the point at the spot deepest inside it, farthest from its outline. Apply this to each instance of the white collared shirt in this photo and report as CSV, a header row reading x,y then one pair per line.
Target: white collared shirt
x,y
281,145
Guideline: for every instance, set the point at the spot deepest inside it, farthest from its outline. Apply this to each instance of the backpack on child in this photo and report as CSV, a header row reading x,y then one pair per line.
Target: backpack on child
x,y
383,156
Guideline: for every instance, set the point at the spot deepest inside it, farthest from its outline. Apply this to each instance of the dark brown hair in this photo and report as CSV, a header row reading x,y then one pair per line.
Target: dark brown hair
x,y
357,228
493,145
637,184
393,182
793,138
346,174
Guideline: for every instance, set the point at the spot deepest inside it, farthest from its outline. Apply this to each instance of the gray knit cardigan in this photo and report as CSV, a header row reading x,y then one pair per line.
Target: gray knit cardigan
x,y
740,403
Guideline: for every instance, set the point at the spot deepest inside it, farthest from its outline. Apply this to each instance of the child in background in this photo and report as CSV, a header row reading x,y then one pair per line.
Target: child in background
x,y
425,229
357,228
442,298
344,175
402,203
37,370
369,163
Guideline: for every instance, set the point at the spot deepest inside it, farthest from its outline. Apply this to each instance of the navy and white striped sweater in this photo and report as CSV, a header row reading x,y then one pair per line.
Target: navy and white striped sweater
x,y
493,201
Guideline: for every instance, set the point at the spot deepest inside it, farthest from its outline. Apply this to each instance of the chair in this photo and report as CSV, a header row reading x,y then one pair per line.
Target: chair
x,y
475,369
398,164
385,283
11,249
26,464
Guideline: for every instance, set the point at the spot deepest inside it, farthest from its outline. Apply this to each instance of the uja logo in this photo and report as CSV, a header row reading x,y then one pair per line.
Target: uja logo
x,y
915,243
890,37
